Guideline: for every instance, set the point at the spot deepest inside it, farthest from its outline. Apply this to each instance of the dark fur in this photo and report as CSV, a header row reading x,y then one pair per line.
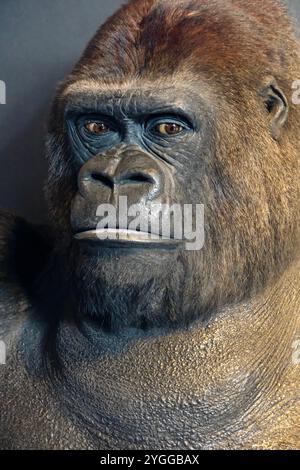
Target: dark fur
x,y
24,250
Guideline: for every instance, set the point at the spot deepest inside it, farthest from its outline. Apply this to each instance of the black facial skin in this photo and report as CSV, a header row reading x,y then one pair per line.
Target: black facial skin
x,y
132,158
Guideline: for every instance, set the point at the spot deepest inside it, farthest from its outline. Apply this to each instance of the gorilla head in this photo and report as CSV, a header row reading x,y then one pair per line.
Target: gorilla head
x,y
182,103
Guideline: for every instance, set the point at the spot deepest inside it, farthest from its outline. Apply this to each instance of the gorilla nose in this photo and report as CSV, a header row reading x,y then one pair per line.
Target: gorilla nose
x,y
135,176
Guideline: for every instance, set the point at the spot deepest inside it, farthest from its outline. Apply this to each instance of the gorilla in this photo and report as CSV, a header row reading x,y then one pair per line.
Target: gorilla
x,y
116,339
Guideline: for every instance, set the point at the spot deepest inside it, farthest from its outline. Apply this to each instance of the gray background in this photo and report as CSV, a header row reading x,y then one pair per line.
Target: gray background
x,y
40,40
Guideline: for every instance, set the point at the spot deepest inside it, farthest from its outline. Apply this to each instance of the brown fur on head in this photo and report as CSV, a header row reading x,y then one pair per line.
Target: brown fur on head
x,y
228,52
153,38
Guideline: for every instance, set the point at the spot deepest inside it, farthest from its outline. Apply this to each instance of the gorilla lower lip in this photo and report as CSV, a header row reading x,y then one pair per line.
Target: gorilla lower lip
x,y
123,236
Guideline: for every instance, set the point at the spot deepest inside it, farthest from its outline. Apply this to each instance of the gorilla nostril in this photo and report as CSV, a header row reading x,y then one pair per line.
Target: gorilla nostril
x,y
137,178
103,179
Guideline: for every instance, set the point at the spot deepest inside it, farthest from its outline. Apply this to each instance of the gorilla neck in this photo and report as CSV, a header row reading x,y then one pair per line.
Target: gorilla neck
x,y
216,370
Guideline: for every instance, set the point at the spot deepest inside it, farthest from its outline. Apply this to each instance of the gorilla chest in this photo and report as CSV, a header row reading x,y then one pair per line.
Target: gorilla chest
x,y
148,393
152,394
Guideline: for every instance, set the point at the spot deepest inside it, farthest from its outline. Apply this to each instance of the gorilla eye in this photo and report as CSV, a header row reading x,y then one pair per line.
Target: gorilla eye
x,y
97,128
168,128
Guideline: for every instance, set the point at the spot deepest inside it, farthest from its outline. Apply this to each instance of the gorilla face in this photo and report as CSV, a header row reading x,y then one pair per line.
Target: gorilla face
x,y
139,147
142,145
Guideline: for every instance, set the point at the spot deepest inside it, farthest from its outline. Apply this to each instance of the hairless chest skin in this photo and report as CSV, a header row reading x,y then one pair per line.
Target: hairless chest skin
x,y
117,341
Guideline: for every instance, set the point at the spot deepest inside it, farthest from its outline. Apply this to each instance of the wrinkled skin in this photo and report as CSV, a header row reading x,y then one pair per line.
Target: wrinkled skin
x,y
131,345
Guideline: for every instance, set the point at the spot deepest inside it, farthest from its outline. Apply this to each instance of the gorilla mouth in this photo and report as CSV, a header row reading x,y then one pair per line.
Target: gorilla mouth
x,y
123,237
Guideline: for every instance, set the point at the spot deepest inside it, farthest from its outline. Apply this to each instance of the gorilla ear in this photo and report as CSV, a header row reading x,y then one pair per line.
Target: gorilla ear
x,y
277,106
